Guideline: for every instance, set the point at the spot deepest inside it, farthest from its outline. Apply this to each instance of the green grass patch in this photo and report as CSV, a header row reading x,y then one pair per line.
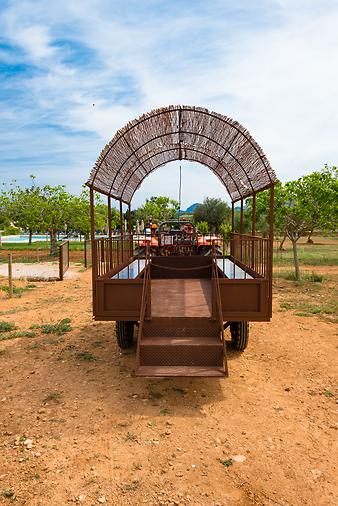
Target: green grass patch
x,y
24,246
227,462
59,328
85,355
130,436
305,276
8,493
13,335
309,254
17,290
24,333
309,309
41,245
328,393
6,326
6,337
97,344
52,397
34,346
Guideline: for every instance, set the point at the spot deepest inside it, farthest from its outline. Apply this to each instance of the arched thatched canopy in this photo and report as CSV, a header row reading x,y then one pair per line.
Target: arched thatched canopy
x,y
181,133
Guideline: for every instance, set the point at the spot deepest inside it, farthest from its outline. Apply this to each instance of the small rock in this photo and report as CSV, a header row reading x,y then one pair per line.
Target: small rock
x,y
101,499
82,497
316,473
239,458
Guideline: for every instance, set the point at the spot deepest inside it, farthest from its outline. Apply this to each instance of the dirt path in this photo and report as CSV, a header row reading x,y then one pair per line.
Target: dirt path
x,y
44,271
77,426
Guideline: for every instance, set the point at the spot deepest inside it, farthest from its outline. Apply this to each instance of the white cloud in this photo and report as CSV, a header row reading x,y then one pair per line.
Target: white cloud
x,y
270,64
35,41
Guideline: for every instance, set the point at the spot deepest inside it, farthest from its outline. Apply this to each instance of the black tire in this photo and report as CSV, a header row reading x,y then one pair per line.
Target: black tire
x,y
124,334
204,251
239,335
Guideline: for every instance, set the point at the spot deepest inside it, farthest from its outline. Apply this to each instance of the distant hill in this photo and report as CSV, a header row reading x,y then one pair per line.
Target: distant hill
x,y
192,208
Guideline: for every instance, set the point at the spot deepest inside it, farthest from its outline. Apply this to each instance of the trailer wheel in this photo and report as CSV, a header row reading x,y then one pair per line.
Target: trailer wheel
x,y
124,334
239,335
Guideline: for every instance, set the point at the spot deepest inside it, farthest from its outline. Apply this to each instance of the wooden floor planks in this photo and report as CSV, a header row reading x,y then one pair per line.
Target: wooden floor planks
x,y
181,298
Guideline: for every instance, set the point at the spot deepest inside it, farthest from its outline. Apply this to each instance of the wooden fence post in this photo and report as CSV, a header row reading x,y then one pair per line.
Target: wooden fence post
x,y
60,263
85,254
10,276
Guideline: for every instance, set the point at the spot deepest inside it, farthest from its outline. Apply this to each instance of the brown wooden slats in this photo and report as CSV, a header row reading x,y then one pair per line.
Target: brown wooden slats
x,y
181,132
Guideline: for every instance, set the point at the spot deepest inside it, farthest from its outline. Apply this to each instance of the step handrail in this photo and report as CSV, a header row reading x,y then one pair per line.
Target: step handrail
x,y
144,303
215,278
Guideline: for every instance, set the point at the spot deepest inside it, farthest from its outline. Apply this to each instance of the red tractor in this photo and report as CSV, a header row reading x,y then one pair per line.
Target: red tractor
x,y
177,237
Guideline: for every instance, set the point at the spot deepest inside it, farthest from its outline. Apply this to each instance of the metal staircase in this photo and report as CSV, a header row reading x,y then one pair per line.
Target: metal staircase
x,y
181,328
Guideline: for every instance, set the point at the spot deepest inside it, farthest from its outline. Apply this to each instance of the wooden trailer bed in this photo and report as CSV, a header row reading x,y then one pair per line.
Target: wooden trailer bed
x,y
243,291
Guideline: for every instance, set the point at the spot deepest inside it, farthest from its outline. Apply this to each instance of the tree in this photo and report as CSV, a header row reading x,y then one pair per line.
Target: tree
x,y
56,209
24,207
318,196
213,211
290,216
80,216
157,208
4,209
202,227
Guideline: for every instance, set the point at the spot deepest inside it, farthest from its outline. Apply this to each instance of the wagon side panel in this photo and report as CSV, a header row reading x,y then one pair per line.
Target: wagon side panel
x,y
245,299
118,299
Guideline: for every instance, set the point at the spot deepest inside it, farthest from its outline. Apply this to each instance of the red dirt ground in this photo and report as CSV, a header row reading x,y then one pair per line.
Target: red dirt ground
x,y
80,427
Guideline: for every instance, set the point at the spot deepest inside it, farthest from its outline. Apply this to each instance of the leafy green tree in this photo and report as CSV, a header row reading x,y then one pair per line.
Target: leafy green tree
x,y
157,208
23,207
56,209
4,210
225,231
318,195
213,211
290,216
202,227
262,214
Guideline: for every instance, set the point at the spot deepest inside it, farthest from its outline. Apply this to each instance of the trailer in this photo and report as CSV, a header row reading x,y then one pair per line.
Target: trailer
x,y
180,302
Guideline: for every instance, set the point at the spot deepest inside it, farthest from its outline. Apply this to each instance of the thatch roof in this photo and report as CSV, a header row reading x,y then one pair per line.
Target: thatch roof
x,y
181,133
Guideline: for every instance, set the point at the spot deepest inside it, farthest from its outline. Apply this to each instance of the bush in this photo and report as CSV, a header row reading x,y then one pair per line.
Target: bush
x,y
10,230
202,227
6,326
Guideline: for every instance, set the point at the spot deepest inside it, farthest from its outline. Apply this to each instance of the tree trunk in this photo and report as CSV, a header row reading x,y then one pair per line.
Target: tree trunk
x,y
295,259
309,240
53,242
30,231
282,242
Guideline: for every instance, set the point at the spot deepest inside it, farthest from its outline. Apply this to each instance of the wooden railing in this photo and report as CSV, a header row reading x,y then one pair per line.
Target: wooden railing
x,y
110,253
252,251
63,258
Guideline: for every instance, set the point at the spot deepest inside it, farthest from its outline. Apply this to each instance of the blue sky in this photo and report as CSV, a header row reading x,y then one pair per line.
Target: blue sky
x,y
270,64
